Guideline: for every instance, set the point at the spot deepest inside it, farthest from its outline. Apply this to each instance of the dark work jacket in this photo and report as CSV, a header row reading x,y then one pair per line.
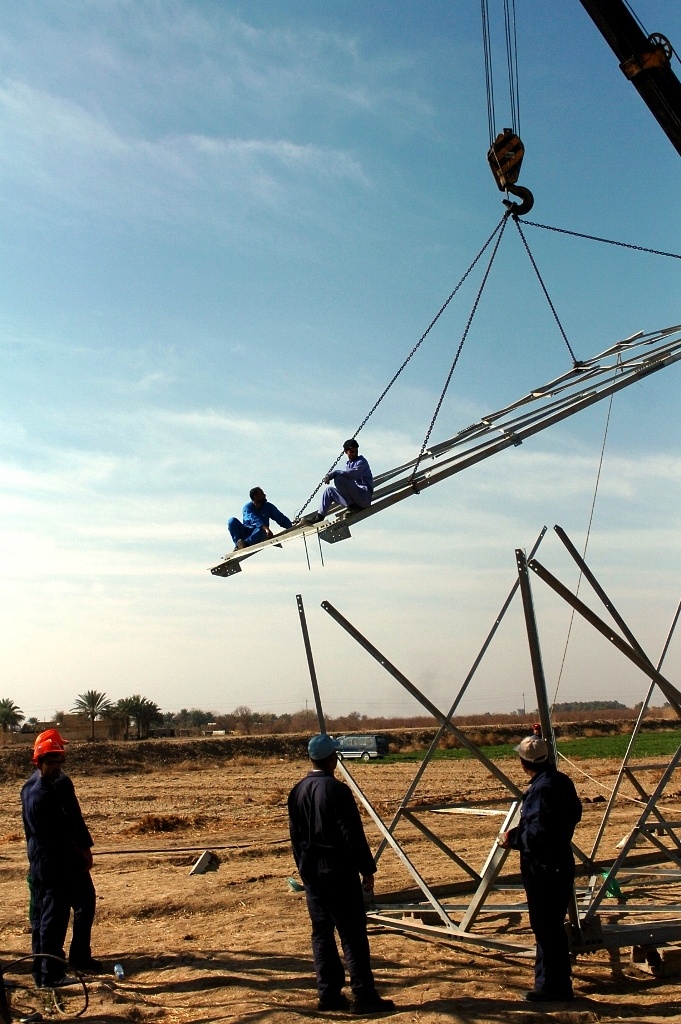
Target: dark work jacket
x,y
56,834
326,831
551,809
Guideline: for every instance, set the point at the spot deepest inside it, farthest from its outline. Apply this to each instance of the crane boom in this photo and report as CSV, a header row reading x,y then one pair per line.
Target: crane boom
x,y
644,60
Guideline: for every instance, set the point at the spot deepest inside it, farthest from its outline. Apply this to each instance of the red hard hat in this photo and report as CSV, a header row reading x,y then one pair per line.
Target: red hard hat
x,y
49,742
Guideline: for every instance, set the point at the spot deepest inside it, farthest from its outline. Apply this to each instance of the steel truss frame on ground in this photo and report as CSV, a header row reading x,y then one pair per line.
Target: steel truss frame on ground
x,y
586,383
590,925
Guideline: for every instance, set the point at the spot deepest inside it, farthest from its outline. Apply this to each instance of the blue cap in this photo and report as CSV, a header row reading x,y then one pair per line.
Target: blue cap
x,y
322,746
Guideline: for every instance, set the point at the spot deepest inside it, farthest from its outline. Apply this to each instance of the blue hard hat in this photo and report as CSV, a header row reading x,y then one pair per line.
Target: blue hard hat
x,y
322,746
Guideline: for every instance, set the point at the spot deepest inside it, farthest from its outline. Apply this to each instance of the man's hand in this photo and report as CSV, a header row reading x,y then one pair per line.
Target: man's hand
x,y
326,479
87,859
268,532
503,840
368,883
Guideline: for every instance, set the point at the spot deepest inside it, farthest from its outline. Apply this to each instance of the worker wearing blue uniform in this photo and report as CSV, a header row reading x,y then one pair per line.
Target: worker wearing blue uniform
x,y
59,854
550,811
331,852
353,485
256,520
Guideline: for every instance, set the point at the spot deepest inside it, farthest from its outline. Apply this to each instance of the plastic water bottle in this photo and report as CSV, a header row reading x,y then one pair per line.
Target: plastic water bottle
x,y
119,972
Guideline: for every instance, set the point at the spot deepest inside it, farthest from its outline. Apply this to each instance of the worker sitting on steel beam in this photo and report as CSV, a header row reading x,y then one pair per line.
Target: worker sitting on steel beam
x,y
256,520
353,485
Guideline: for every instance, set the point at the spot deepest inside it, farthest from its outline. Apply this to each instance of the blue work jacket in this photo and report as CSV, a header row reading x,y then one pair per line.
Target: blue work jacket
x,y
56,834
550,811
358,470
254,518
326,830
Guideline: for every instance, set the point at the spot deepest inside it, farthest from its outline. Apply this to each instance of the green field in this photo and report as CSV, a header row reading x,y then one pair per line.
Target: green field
x,y
657,744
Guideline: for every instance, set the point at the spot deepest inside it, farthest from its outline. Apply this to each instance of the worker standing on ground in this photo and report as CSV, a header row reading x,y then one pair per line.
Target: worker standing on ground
x,y
256,520
353,485
550,812
331,852
60,857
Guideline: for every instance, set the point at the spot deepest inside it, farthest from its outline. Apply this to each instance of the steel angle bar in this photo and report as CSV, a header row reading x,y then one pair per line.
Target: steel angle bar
x,y
473,810
436,841
632,740
598,589
354,786
310,663
490,425
493,865
454,908
600,592
600,893
454,936
567,382
397,849
667,910
435,474
669,690
540,689
663,823
457,700
420,697
655,840
535,656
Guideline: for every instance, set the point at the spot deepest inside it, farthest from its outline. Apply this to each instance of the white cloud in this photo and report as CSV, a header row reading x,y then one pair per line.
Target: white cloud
x,y
56,147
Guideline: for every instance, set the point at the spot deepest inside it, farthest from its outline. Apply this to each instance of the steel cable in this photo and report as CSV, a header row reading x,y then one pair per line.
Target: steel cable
x,y
544,289
609,241
497,231
458,352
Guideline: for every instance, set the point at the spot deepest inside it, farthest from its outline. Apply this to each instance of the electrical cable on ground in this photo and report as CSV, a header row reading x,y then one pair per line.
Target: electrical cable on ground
x,y
50,956
191,849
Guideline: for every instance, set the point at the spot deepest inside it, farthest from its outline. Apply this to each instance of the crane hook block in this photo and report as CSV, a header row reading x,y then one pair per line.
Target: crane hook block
x,y
505,158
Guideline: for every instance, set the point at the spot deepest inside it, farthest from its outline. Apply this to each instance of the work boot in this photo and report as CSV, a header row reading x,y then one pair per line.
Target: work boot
x,y
339,1002
240,545
543,995
368,1007
90,966
63,982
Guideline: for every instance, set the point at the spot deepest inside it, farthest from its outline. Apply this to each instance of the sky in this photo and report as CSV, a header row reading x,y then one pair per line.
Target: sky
x,y
224,226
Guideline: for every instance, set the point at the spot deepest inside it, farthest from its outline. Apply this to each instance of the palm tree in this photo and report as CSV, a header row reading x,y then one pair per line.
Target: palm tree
x,y
146,713
10,714
125,708
93,705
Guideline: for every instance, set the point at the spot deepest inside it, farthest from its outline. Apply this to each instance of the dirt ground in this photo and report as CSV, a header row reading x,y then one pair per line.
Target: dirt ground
x,y
233,944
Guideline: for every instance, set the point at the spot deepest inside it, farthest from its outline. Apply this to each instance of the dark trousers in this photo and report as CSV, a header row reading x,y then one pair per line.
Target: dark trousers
x,y
338,904
549,889
51,909
238,531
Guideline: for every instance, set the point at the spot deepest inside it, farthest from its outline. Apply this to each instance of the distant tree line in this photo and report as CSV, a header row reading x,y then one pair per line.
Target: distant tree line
x,y
590,705
137,716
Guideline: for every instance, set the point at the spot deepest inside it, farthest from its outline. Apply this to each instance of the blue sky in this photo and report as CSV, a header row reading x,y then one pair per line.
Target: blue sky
x,y
224,226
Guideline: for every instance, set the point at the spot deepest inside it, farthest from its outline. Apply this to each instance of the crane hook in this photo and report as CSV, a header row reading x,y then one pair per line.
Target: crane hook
x,y
505,157
519,209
